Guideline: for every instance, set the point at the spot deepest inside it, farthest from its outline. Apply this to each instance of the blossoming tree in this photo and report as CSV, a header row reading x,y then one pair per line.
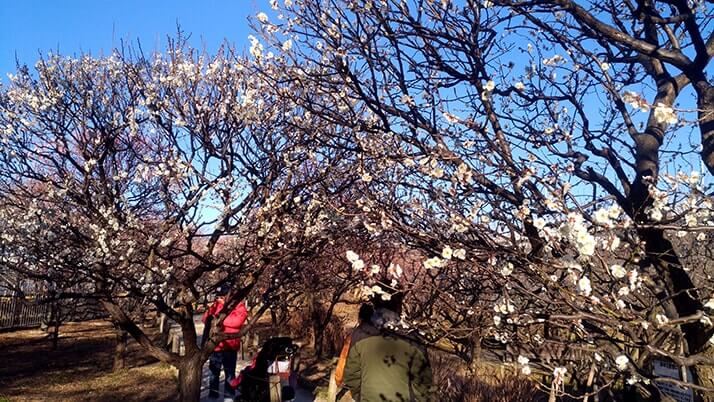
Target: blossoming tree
x,y
160,178
529,147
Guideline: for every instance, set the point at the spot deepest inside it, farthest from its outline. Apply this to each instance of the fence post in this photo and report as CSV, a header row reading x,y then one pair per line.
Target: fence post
x,y
275,388
175,343
243,344
256,343
332,388
16,307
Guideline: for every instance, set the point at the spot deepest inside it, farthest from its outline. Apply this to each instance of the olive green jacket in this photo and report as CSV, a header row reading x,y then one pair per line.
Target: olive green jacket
x,y
386,367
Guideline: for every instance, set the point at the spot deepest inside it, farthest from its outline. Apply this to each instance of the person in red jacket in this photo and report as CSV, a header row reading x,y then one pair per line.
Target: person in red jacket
x,y
226,353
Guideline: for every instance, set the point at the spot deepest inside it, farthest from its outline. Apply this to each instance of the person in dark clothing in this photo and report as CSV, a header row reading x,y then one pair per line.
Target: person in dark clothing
x,y
365,317
384,364
226,353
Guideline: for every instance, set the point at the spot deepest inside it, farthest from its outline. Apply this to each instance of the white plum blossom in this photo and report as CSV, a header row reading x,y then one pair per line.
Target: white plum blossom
x,y
89,164
460,253
447,253
559,375
519,86
504,307
262,17
394,270
602,216
553,61
407,100
622,361
452,119
507,269
355,260
634,278
661,319
636,101
574,229
665,114
584,286
523,361
490,86
539,223
618,271
694,178
375,269
434,262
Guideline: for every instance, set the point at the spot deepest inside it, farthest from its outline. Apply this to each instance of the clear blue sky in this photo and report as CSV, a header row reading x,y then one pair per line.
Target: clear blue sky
x,y
97,26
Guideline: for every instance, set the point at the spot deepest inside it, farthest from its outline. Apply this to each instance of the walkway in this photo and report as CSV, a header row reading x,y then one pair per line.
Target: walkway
x,y
302,395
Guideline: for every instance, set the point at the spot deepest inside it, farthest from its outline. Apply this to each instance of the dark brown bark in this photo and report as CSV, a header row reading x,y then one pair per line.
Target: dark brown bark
x,y
126,323
680,289
704,375
55,335
120,350
190,374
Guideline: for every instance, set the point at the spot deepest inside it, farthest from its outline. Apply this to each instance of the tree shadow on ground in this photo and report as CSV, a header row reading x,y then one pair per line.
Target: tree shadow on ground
x,y
81,368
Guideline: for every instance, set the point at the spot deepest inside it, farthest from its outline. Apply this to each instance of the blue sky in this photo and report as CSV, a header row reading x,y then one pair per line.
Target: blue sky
x,y
98,26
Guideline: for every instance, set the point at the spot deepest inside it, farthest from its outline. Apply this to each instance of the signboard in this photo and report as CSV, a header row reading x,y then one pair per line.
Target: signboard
x,y
665,368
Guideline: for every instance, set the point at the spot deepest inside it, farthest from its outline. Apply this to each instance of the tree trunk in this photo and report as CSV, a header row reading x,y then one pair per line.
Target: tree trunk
x,y
120,350
704,375
684,296
475,353
53,324
55,334
190,375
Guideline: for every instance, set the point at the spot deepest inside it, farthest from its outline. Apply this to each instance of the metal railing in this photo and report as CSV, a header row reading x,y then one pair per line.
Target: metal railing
x,y
20,312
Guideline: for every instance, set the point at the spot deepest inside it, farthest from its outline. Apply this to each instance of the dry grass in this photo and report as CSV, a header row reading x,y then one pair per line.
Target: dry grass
x,y
489,382
80,370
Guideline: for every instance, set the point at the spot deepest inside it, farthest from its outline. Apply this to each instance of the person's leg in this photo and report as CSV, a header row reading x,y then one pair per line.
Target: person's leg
x,y
214,366
229,368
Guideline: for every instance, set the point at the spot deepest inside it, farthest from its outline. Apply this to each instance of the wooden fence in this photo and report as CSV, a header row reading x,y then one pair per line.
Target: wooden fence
x,y
17,312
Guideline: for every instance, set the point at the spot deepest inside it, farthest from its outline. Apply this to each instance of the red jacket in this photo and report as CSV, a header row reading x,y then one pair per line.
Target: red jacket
x,y
231,325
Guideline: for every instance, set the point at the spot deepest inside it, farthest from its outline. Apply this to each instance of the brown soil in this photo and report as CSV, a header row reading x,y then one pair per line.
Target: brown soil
x,y
80,369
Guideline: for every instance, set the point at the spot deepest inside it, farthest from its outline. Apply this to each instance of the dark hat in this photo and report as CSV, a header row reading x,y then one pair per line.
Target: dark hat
x,y
222,290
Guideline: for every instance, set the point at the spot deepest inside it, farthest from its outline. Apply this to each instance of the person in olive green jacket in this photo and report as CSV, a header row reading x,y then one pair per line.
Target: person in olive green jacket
x,y
384,365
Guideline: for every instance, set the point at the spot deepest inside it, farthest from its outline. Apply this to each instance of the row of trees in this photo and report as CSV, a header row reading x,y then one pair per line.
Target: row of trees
x,y
541,156
528,171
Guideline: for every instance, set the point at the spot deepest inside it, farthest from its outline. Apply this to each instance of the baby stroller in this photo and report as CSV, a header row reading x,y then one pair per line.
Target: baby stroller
x,y
276,357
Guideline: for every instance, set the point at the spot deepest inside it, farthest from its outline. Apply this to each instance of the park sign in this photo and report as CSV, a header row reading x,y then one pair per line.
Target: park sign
x,y
666,368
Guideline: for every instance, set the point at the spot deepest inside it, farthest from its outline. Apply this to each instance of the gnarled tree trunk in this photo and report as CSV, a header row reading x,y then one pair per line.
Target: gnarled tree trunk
x,y
190,374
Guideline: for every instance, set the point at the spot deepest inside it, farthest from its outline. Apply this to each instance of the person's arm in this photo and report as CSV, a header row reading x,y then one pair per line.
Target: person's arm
x,y
209,312
353,371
